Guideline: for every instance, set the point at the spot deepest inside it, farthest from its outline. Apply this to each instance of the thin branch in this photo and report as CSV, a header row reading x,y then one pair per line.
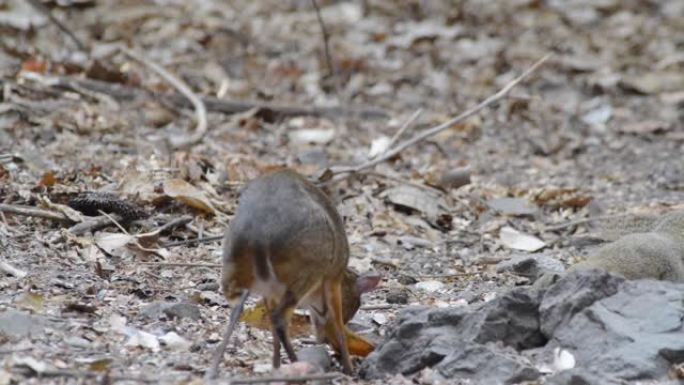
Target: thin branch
x,y
45,11
194,240
580,221
214,104
287,379
326,38
29,211
403,128
439,128
198,104
11,270
179,264
91,225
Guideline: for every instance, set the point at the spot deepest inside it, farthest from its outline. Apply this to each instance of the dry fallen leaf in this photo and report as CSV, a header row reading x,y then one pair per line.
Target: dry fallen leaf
x,y
188,194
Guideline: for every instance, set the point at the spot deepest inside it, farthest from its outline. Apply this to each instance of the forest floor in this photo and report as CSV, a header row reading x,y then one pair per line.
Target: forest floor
x,y
597,129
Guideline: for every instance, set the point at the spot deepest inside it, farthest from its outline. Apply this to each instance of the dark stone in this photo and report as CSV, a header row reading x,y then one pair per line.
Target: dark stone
x,y
617,331
398,296
531,266
487,364
316,355
635,334
572,293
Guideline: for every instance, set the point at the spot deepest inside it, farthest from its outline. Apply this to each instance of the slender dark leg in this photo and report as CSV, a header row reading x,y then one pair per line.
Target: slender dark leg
x,y
279,320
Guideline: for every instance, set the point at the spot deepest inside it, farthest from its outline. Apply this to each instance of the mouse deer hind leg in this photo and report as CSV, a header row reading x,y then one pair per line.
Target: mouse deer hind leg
x,y
335,328
281,313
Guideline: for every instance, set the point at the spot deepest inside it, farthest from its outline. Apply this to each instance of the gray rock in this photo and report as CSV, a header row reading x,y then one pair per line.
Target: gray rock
x,y
16,325
531,266
635,334
183,310
572,293
617,331
316,355
580,376
424,337
487,364
157,310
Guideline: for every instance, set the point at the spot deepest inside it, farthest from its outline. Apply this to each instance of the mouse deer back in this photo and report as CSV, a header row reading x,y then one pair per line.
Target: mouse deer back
x,y
287,244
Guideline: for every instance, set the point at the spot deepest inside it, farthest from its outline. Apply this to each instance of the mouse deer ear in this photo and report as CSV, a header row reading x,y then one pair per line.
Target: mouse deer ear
x,y
367,282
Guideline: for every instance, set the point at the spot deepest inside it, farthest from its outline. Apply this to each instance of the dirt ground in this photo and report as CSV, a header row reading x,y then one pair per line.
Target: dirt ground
x,y
597,129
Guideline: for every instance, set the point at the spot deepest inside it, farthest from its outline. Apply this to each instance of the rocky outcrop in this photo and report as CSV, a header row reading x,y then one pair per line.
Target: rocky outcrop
x,y
613,329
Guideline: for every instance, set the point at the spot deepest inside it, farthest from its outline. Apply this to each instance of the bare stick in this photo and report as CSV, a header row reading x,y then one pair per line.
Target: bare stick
x,y
180,264
404,127
221,349
29,211
198,104
585,220
11,270
42,9
225,106
286,379
326,38
439,128
92,224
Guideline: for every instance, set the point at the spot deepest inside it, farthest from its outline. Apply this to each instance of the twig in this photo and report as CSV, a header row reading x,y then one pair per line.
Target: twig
x,y
225,106
585,220
9,269
114,221
29,211
42,9
194,240
180,264
403,128
198,104
172,224
326,49
17,350
92,225
221,349
441,127
326,38
379,307
82,374
287,379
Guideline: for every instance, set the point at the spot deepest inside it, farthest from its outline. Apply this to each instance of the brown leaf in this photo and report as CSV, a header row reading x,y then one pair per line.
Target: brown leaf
x,y
188,194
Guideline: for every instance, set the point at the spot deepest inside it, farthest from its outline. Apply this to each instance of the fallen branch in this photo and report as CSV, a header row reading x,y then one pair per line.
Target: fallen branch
x,y
225,106
180,264
29,211
194,240
81,374
91,225
11,270
287,379
441,127
403,128
198,104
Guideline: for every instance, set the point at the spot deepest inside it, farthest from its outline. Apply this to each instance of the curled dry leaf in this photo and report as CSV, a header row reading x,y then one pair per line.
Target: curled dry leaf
x,y
188,194
430,203
562,198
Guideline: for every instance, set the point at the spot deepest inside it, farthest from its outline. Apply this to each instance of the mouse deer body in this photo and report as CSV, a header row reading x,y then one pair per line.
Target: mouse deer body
x,y
287,244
